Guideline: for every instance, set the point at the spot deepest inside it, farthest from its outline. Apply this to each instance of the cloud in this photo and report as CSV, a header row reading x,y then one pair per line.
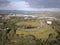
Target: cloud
x,y
44,9
21,5
44,3
4,3
48,9
30,5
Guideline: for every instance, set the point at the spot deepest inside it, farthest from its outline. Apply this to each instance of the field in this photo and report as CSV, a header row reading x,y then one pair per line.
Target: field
x,y
41,32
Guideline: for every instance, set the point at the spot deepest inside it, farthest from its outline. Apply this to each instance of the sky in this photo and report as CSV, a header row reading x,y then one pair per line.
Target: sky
x,y
30,5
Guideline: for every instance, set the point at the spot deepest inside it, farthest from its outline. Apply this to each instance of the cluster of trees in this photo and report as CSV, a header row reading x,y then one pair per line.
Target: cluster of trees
x,y
56,26
15,39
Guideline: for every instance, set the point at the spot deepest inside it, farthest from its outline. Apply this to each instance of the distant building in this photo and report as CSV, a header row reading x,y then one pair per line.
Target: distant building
x,y
49,22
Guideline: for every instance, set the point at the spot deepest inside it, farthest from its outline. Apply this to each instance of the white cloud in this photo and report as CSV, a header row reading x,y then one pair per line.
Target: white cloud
x,y
16,6
22,5
43,9
47,9
19,5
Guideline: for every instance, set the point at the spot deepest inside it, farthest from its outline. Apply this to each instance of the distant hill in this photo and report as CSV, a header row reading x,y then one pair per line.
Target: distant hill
x,y
14,12
21,12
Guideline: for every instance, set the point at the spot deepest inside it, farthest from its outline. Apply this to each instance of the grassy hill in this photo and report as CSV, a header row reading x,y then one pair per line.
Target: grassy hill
x,y
41,32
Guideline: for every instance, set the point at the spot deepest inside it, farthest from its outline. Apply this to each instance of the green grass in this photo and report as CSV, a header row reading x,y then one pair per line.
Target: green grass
x,y
23,23
39,33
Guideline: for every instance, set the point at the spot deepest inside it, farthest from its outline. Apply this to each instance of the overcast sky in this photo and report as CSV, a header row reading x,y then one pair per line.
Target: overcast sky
x,y
39,5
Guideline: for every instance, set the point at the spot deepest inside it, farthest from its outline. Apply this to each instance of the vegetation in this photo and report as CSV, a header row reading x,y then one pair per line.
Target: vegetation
x,y
17,31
